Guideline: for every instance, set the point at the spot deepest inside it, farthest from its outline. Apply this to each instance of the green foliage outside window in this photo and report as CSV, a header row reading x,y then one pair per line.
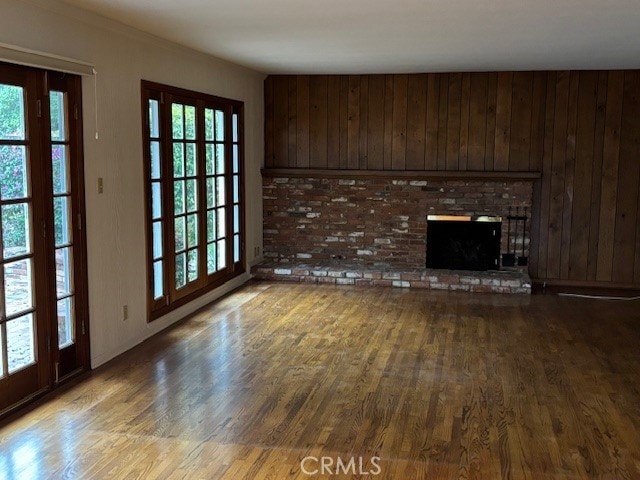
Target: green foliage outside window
x,y
14,167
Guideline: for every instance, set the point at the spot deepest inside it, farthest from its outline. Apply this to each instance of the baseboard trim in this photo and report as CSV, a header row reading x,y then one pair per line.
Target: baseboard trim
x,y
541,282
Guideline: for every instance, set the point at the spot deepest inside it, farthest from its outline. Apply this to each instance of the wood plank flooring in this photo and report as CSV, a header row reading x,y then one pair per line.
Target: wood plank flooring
x,y
438,385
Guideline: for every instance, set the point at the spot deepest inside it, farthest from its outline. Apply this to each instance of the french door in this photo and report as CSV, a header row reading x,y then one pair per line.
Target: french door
x,y
43,307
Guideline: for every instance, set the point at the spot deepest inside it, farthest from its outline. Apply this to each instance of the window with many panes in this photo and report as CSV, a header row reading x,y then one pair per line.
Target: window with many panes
x,y
195,214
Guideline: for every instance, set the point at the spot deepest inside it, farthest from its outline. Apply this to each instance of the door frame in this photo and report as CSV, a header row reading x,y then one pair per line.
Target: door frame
x,y
44,375
71,85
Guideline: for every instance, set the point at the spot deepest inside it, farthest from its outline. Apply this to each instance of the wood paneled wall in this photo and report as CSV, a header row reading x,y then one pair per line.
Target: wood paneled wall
x,y
581,129
456,121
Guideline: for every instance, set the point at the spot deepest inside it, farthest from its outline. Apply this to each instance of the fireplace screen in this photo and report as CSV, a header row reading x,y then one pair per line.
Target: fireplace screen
x,y
463,244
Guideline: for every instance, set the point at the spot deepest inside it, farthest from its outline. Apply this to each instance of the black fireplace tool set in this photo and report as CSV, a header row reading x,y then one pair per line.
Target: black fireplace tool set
x,y
509,258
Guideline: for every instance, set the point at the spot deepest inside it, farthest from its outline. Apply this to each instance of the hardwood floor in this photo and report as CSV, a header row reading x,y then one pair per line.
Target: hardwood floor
x,y
438,385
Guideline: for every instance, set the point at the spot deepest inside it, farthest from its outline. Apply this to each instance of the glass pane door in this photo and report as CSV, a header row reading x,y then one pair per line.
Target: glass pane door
x,y
43,314
62,208
18,315
63,212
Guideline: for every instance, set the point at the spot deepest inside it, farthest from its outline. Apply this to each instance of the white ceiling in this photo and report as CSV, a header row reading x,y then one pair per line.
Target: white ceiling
x,y
393,36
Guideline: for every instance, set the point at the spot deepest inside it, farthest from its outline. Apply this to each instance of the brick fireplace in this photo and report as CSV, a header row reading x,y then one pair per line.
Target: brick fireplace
x,y
376,223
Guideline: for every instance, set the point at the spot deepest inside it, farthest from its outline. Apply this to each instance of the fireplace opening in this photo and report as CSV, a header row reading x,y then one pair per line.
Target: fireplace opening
x,y
462,243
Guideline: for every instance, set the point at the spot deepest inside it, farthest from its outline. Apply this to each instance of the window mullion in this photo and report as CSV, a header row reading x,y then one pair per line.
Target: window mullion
x,y
168,197
228,180
202,192
240,173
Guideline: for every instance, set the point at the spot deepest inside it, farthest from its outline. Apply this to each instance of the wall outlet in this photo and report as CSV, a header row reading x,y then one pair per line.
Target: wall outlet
x,y
125,312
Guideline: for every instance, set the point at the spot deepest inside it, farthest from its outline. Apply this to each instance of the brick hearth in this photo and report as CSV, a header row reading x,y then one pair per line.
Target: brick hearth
x,y
453,280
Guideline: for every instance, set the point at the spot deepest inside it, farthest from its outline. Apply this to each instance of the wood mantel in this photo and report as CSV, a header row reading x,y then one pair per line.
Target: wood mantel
x,y
412,174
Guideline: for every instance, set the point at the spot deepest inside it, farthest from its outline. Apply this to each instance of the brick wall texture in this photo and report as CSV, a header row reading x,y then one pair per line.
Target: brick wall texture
x,y
376,222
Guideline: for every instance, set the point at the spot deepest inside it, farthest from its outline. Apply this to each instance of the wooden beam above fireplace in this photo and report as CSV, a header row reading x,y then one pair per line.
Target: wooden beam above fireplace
x,y
404,174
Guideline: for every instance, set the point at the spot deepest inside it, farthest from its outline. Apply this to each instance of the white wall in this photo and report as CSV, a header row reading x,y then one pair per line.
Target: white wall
x,y
115,219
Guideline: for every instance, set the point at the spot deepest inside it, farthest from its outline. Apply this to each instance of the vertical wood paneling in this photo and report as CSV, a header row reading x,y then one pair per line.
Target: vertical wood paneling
x,y
443,103
293,114
353,127
364,118
630,151
596,185
464,121
344,121
609,183
503,121
375,123
541,237
281,121
535,163
268,122
520,122
628,178
582,194
388,122
538,120
580,129
318,122
477,131
416,121
569,174
431,132
399,141
492,98
302,126
333,121
453,121
559,148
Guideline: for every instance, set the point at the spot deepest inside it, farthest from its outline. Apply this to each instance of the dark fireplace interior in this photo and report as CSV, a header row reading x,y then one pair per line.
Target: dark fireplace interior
x,y
463,245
